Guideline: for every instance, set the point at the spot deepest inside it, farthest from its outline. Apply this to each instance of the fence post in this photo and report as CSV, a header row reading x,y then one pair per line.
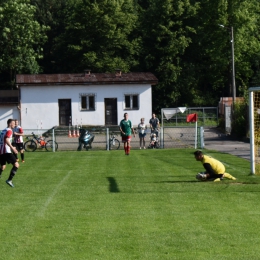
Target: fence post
x,y
203,116
161,138
196,134
217,113
201,137
53,136
107,139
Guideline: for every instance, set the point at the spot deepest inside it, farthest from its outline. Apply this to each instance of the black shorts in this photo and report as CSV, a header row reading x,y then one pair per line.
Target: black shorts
x,y
7,158
215,176
19,146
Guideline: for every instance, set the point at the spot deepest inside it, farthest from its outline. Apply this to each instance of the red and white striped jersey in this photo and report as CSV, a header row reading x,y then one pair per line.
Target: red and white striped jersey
x,y
6,133
18,138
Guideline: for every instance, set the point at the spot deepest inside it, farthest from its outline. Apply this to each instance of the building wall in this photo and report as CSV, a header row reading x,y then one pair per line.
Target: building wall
x,y
6,112
39,104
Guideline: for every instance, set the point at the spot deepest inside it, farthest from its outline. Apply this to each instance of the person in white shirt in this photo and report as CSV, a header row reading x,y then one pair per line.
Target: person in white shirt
x,y
142,133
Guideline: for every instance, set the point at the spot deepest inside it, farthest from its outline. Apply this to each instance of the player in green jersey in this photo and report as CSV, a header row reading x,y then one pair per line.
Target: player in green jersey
x,y
126,130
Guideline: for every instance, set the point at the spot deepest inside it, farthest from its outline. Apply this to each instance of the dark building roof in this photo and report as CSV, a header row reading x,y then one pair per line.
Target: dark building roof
x,y
86,78
9,97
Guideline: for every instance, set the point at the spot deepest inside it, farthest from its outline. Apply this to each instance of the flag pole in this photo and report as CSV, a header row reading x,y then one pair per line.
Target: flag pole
x,y
196,134
193,118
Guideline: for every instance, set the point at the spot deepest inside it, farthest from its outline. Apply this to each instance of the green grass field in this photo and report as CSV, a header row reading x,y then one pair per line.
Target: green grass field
x,y
105,205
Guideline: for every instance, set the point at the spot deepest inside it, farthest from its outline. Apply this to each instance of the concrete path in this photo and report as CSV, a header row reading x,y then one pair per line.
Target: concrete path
x,y
214,140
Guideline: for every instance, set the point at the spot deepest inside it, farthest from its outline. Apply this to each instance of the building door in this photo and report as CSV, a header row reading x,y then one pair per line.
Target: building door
x,y
64,112
111,111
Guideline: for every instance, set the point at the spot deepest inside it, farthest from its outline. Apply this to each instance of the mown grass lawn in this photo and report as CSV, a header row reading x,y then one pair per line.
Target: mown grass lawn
x,y
105,205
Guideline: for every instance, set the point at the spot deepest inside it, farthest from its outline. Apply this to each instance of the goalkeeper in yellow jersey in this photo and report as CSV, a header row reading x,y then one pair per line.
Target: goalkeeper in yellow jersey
x,y
215,170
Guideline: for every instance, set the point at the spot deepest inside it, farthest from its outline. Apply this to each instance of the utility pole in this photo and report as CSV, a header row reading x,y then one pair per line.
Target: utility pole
x,y
233,67
233,76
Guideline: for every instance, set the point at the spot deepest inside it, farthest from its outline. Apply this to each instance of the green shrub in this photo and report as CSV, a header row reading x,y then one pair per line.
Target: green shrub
x,y
239,122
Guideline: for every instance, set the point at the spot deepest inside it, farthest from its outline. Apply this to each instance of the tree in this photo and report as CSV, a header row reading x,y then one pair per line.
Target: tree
x,y
207,60
54,14
21,38
98,36
166,36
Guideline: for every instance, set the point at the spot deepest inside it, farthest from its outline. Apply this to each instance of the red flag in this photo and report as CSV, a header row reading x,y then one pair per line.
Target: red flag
x,y
192,118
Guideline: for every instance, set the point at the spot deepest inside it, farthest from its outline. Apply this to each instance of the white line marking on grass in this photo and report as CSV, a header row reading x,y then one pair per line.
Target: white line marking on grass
x,y
48,201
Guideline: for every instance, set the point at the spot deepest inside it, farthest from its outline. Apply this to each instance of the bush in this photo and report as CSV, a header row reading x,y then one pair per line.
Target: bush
x,y
239,122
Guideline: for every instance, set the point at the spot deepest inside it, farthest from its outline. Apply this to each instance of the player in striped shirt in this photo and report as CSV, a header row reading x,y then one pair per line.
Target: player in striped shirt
x,y
7,150
18,140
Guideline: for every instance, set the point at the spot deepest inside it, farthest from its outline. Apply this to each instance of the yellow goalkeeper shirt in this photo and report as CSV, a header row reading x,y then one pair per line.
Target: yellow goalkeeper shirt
x,y
216,165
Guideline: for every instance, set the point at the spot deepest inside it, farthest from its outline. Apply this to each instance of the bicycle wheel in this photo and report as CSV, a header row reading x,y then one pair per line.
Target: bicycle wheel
x,y
30,146
114,144
49,145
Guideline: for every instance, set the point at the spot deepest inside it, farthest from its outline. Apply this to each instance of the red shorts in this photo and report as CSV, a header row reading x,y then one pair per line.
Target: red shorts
x,y
126,138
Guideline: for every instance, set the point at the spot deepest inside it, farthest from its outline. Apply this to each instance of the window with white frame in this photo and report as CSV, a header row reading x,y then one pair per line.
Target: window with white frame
x,y
131,101
87,101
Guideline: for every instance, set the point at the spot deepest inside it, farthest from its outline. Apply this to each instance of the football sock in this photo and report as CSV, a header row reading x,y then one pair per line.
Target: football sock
x,y
12,173
22,156
229,176
1,172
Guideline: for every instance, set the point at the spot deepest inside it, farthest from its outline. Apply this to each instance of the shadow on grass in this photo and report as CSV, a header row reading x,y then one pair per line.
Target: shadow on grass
x,y
221,183
113,185
176,181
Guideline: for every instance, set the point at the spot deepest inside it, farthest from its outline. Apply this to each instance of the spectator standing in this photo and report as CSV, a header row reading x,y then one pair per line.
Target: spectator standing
x,y
154,124
142,133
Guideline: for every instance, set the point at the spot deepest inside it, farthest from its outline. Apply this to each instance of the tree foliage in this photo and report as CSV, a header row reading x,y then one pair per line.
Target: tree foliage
x,y
180,41
53,14
207,60
98,35
21,38
166,36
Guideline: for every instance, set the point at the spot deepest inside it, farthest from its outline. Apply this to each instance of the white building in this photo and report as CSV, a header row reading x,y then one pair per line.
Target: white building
x,y
48,100
8,106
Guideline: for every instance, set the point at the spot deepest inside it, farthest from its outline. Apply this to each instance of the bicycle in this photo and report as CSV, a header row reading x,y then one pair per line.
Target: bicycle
x,y
114,143
39,142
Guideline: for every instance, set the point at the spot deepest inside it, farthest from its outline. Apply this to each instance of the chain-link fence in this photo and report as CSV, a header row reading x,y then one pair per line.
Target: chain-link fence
x,y
207,116
68,140
182,137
